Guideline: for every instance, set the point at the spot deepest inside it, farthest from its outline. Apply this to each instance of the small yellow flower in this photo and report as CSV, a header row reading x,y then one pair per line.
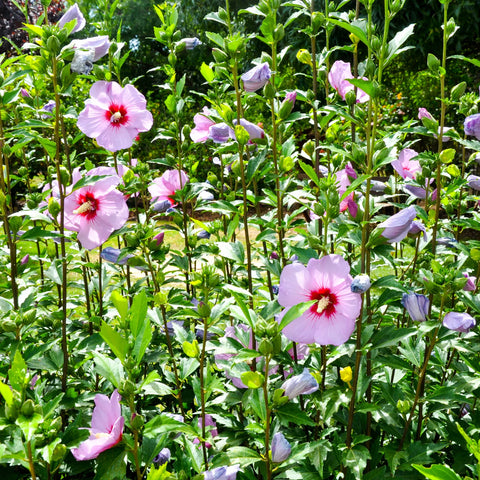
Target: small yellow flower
x,y
304,56
399,95
346,375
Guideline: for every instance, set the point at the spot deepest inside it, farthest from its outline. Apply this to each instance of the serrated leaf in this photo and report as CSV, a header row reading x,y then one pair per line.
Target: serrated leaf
x,y
138,313
291,413
18,372
243,455
438,472
233,251
216,38
110,369
6,393
38,233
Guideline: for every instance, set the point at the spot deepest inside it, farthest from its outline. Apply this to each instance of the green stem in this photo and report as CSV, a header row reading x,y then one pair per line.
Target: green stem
x,y
31,465
202,392
267,420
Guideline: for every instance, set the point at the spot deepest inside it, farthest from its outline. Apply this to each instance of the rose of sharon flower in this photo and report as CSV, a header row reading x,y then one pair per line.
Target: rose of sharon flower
x,y
472,125
107,427
396,227
331,319
73,13
405,166
222,473
256,77
95,212
114,116
281,449
338,77
163,188
460,322
302,384
200,133
416,305
343,180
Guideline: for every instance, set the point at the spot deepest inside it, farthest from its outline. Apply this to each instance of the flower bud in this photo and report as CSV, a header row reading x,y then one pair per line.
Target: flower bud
x,y
304,56
219,55
287,105
265,347
269,91
416,305
27,409
204,309
457,91
137,421
241,135
302,384
281,449
360,284
53,207
59,452
451,27
163,457
53,45
346,374
351,98
433,63
403,406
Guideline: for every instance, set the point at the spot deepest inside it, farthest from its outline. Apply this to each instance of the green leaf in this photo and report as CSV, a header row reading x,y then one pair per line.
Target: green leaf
x,y
164,424
216,38
252,379
308,169
389,336
111,465
29,425
88,180
291,413
393,48
115,341
438,472
207,72
357,27
38,233
232,251
138,313
111,369
6,393
120,303
142,341
33,215
243,455
171,103
18,372
294,312
473,61
368,86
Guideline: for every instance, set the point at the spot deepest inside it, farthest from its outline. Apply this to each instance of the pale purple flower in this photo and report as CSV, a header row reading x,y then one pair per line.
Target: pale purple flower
x,y
159,237
471,284
163,457
220,133
405,166
302,384
24,93
209,422
377,186
416,228
420,192
331,319
114,116
396,228
281,449
203,235
106,430
460,322
446,241
424,113
338,77
222,473
165,187
472,125
95,211
473,181
161,206
98,45
256,77
73,13
190,42
25,259
200,133
49,107
416,306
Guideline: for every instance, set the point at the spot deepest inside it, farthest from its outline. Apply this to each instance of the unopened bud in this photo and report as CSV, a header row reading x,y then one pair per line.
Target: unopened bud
x,y
53,207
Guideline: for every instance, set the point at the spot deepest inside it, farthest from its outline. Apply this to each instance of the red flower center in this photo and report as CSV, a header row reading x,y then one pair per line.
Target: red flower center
x,y
326,301
116,115
87,206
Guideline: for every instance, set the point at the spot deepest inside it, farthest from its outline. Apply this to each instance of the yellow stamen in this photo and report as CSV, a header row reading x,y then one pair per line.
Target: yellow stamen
x,y
116,117
84,207
322,304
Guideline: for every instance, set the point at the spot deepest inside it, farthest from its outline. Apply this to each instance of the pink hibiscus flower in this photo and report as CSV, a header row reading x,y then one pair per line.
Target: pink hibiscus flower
x,y
107,427
201,133
331,319
405,166
114,116
163,188
343,180
95,211
338,77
